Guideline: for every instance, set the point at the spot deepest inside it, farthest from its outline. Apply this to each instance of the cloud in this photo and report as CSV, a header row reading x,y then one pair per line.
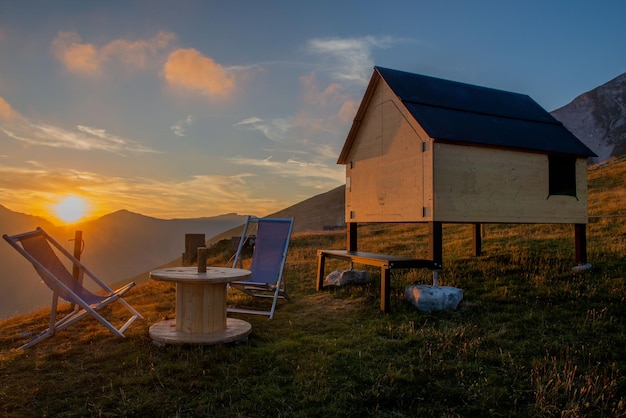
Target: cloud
x,y
349,59
311,174
77,57
329,152
207,194
275,129
314,95
190,70
137,54
327,109
88,59
180,127
347,112
84,138
6,111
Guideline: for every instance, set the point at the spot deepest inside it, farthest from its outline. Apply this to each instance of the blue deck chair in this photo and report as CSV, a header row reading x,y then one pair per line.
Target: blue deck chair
x,y
35,247
268,261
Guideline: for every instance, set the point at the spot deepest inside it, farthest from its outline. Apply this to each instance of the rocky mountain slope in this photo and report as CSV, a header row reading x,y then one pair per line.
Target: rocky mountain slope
x,y
598,118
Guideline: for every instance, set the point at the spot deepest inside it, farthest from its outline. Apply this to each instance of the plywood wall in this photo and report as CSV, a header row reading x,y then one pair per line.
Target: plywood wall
x,y
479,184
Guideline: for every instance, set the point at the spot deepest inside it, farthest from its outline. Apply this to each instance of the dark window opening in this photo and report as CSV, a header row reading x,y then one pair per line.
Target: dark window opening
x,y
562,174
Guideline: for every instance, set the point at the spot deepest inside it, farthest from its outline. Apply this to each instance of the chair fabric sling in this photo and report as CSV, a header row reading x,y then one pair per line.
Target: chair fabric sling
x,y
36,247
268,261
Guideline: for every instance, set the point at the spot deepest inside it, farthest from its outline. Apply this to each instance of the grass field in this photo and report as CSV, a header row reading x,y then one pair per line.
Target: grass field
x,y
531,337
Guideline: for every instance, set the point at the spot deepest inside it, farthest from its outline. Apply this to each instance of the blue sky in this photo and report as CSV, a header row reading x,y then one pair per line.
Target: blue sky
x,y
199,108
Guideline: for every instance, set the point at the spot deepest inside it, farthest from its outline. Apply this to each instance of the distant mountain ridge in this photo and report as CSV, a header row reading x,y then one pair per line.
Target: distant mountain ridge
x,y
117,247
598,118
122,245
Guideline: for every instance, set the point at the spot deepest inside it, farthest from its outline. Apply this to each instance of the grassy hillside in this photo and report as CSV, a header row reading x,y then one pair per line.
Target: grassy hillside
x,y
315,214
531,338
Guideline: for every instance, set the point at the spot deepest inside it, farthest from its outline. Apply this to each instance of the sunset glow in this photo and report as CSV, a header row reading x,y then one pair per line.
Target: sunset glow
x,y
70,209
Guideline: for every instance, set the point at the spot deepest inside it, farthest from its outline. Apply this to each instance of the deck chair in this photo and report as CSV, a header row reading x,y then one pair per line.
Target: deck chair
x,y
35,247
268,260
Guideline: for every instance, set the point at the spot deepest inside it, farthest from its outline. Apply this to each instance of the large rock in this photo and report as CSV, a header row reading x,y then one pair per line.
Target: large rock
x,y
433,298
344,277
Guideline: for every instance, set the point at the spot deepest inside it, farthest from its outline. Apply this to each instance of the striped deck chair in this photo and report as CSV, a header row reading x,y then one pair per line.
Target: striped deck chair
x,y
36,247
268,261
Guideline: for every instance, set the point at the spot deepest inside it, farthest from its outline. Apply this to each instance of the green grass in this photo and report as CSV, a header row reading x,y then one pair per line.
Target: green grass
x,y
531,338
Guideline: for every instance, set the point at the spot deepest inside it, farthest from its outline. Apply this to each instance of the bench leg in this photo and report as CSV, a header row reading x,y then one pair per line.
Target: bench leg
x,y
320,271
385,289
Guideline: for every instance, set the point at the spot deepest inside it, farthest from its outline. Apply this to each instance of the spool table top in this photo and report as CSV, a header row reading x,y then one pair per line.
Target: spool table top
x,y
191,275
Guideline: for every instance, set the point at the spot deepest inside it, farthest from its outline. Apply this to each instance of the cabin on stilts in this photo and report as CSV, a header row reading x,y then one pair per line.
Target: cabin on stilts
x,y
424,149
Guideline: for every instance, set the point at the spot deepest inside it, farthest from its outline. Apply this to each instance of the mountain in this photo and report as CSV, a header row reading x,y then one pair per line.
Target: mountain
x,y
598,118
122,245
19,285
324,211
117,247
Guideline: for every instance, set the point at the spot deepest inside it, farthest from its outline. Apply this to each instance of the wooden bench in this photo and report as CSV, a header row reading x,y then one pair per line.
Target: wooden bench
x,y
384,261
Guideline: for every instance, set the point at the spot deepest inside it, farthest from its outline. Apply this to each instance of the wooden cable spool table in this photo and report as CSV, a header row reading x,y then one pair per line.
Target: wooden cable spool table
x,y
200,307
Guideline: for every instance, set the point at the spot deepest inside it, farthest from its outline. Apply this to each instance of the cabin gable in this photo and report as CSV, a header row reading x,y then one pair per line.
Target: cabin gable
x,y
386,164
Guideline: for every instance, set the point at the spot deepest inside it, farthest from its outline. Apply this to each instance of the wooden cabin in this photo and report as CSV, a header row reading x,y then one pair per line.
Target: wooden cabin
x,y
423,149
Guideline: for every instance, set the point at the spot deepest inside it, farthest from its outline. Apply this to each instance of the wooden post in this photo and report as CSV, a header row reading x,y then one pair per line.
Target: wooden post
x,y
352,236
385,288
580,243
435,243
477,233
320,271
202,253
192,243
78,249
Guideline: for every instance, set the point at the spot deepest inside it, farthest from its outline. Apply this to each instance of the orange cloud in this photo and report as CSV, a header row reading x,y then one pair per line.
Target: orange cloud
x,y
327,110
76,56
313,94
137,54
189,69
6,112
88,59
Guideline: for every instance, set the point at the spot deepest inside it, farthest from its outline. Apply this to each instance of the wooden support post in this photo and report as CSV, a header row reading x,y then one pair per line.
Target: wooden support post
x,y
435,243
78,250
580,243
351,228
320,270
385,289
477,233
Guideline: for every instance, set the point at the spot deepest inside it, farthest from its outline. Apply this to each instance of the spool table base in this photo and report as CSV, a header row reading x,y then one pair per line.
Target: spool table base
x,y
165,332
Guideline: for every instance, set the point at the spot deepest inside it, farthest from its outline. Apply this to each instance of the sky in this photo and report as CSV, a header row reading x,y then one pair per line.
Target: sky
x,y
199,108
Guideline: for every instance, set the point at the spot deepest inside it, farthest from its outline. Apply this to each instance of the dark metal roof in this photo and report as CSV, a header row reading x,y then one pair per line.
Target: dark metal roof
x,y
465,113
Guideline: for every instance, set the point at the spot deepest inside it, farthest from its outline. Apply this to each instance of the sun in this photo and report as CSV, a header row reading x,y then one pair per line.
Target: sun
x,y
70,209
